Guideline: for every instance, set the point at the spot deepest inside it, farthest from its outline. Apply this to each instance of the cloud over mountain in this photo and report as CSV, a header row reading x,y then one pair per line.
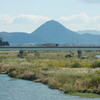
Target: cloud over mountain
x,y
81,21
28,23
6,19
22,19
29,19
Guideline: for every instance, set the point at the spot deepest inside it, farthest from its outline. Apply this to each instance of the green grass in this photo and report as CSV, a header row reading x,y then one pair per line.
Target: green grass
x,y
12,79
85,95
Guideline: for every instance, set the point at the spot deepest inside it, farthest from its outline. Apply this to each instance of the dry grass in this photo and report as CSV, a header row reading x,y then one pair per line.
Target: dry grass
x,y
54,70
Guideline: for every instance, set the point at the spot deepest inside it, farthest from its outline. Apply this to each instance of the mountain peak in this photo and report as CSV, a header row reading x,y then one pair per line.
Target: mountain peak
x,y
51,25
54,32
51,22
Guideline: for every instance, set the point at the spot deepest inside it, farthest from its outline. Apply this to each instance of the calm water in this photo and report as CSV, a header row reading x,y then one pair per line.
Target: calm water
x,y
97,56
27,90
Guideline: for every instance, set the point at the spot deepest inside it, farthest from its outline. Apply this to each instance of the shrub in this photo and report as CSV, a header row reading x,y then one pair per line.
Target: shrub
x,y
84,57
76,65
94,81
68,56
37,54
95,65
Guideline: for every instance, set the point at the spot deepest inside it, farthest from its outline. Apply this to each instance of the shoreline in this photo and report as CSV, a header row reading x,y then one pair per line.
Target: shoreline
x,y
80,94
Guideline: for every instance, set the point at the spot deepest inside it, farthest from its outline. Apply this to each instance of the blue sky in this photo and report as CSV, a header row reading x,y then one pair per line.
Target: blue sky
x,y
27,15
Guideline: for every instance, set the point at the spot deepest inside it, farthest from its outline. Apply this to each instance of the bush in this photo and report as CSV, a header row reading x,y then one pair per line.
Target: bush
x,y
94,81
37,54
76,65
68,56
95,65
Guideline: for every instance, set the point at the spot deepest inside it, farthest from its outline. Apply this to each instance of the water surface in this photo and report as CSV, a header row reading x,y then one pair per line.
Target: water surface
x,y
97,56
28,90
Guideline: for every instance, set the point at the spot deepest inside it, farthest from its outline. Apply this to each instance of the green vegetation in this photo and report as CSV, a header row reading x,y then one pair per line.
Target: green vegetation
x,y
3,43
76,65
88,95
95,64
13,79
71,75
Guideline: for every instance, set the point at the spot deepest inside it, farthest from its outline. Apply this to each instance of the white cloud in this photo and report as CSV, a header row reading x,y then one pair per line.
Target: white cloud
x,y
6,19
81,21
28,23
25,23
22,19
29,19
76,18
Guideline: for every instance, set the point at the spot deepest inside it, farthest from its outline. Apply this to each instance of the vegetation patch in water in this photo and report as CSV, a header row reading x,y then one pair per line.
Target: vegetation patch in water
x,y
85,95
12,79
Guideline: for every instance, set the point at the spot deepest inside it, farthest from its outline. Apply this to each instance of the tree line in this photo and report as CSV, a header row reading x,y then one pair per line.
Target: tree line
x,y
3,43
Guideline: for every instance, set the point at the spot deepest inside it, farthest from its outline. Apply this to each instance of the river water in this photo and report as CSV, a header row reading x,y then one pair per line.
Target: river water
x,y
97,56
28,90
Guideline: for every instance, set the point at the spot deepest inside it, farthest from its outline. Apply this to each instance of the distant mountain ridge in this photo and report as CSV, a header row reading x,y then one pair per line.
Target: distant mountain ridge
x,y
51,32
19,38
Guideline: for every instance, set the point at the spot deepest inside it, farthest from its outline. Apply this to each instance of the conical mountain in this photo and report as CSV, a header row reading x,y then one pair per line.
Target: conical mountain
x,y
54,32
51,32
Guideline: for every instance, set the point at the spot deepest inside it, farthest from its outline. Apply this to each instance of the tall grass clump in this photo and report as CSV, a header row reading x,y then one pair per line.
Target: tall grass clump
x,y
94,81
95,65
76,65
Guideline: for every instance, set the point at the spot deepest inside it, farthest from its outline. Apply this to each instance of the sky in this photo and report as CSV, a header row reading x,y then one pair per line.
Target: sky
x,y
28,15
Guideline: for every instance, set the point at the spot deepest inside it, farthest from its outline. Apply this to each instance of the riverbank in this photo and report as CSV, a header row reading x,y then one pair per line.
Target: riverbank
x,y
73,76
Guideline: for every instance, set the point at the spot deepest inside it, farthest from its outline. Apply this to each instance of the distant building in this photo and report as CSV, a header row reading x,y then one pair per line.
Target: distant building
x,y
49,45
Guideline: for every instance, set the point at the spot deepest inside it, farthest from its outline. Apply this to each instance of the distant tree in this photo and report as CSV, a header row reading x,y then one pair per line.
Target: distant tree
x,y
5,43
1,40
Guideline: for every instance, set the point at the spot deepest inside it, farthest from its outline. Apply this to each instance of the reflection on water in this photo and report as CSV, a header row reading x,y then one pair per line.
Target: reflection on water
x,y
27,90
97,56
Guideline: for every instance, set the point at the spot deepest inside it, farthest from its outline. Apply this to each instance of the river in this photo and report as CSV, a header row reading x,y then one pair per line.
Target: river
x,y
28,90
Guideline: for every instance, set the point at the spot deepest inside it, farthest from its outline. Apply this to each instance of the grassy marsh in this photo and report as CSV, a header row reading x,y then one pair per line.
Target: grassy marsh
x,y
70,75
